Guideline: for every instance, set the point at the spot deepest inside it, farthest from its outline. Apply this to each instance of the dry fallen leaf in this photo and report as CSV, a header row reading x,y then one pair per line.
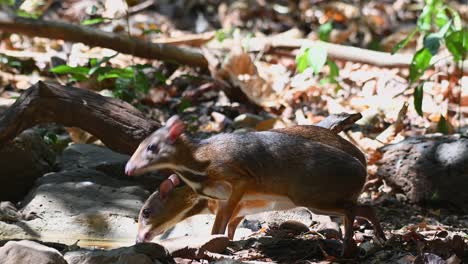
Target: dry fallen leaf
x,y
243,73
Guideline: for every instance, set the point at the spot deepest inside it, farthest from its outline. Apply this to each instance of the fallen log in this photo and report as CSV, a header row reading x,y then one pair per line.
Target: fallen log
x,y
119,125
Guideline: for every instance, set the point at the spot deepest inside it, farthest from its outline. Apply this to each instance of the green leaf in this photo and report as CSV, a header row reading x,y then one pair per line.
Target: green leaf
x,y
92,21
22,13
418,98
441,17
105,76
7,2
325,30
420,63
302,60
457,44
184,104
66,69
334,71
457,21
317,57
160,77
442,125
123,89
93,62
404,42
432,41
97,64
220,35
149,31
142,83
425,19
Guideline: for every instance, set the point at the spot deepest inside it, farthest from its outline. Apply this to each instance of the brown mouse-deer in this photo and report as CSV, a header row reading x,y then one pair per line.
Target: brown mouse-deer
x,y
265,166
167,207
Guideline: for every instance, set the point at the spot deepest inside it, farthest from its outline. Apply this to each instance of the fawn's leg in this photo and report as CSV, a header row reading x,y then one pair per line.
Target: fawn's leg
x,y
226,210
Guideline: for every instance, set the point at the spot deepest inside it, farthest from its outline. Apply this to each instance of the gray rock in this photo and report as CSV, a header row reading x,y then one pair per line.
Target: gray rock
x,y
327,227
295,227
90,156
29,252
8,212
145,253
95,157
83,204
23,160
428,168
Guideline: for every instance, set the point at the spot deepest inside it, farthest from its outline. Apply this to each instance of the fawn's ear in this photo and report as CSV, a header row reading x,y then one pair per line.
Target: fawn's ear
x,y
175,126
167,185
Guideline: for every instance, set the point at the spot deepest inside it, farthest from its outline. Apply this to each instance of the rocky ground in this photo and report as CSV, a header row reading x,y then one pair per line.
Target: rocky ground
x,y
86,212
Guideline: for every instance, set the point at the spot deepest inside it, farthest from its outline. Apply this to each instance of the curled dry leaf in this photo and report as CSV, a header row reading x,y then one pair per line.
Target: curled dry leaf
x,y
243,73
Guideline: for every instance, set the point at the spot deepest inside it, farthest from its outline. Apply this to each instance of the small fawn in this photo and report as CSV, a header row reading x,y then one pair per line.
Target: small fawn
x,y
306,166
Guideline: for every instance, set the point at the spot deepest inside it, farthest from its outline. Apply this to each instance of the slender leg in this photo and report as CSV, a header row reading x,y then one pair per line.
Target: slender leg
x,y
349,245
233,225
367,212
226,210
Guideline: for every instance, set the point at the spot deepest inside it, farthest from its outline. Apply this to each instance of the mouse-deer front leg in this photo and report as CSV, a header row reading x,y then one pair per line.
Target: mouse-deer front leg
x,y
226,209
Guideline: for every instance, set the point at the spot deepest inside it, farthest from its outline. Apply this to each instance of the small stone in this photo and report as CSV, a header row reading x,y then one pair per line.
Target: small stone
x,y
295,227
327,227
29,252
8,212
247,120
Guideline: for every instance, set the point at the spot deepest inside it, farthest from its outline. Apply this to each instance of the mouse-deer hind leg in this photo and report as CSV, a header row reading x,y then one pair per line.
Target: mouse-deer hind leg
x,y
233,225
368,212
350,249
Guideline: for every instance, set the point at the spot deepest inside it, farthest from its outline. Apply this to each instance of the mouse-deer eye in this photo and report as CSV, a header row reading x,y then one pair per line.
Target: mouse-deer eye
x,y
153,148
146,213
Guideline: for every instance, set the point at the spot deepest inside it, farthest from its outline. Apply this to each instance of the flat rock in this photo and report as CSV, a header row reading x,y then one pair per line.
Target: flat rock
x,y
77,156
29,252
81,204
23,160
90,156
428,168
271,218
145,253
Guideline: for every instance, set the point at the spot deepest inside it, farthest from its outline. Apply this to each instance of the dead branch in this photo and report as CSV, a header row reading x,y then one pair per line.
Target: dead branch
x,y
335,51
120,126
95,37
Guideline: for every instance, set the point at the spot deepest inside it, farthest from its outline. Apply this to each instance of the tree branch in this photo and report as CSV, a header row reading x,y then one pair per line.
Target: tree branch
x,y
335,51
95,37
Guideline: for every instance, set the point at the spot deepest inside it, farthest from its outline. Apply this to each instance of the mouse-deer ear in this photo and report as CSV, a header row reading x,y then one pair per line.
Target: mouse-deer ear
x,y
175,126
165,188
167,185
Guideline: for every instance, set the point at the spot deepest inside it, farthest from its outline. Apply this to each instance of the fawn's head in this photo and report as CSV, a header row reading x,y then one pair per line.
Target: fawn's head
x,y
165,208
